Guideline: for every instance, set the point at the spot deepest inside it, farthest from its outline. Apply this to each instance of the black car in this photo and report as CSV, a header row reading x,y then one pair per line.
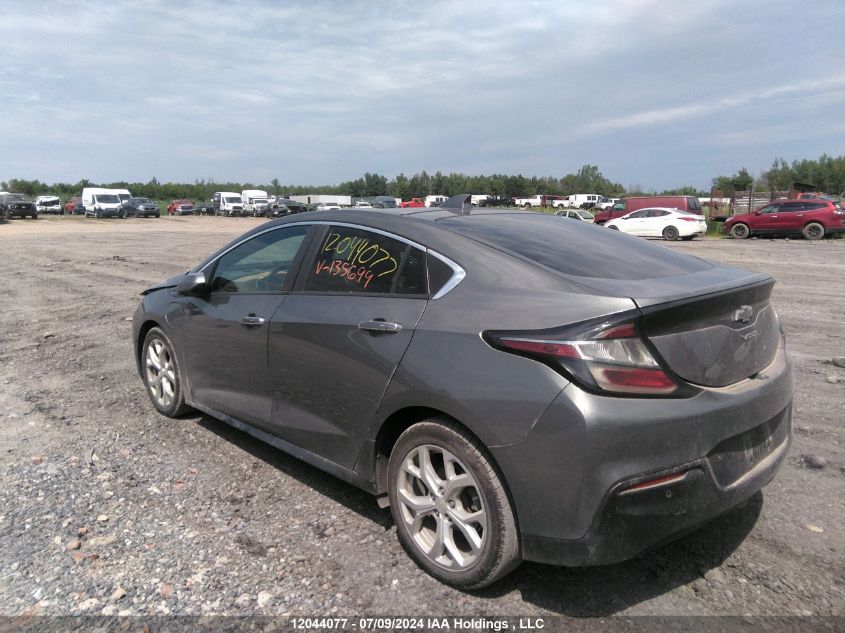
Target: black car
x,y
141,208
514,386
284,206
496,201
17,205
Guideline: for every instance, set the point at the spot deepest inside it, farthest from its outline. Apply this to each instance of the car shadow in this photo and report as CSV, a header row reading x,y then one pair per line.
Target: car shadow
x,y
571,591
606,590
335,489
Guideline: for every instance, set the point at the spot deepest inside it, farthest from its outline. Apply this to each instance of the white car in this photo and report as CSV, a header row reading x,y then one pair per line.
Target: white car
x,y
329,206
576,214
670,224
363,205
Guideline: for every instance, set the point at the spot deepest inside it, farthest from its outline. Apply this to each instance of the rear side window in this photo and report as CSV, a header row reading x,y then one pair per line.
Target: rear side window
x,y
351,260
580,249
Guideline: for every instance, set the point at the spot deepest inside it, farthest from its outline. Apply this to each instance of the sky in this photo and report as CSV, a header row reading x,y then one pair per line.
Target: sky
x,y
657,94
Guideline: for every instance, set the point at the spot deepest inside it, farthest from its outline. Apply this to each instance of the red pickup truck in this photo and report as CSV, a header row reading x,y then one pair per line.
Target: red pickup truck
x,y
413,202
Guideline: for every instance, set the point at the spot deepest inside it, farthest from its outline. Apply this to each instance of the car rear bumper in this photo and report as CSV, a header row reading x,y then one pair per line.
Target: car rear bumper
x,y
633,520
570,476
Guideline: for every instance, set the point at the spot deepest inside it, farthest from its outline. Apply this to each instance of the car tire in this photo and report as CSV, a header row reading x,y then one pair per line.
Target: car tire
x,y
670,233
740,231
96,215
161,374
813,231
612,226
527,205
431,522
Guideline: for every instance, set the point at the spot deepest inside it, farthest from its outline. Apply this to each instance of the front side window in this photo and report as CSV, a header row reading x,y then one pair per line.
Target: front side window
x,y
260,264
353,260
638,214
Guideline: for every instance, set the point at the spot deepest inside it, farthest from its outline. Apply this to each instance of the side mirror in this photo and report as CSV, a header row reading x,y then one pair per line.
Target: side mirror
x,y
758,213
193,284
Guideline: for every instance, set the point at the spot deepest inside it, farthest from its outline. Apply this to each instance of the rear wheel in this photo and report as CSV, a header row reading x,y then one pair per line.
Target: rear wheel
x,y
813,231
670,233
614,227
740,231
451,511
527,205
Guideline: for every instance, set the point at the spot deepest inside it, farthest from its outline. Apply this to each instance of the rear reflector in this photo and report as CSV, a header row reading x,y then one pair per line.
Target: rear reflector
x,y
654,483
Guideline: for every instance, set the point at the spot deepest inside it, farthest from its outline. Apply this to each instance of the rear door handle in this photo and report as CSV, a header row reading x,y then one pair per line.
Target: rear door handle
x,y
380,326
252,320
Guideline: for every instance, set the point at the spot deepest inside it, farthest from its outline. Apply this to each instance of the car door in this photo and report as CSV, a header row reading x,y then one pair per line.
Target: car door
x,y
767,220
337,339
633,223
224,332
654,222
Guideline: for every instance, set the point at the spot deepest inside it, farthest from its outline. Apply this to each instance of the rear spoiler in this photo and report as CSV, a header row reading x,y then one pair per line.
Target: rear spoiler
x,y
461,203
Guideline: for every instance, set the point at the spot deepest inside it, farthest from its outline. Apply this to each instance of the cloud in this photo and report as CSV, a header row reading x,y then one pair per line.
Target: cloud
x,y
325,90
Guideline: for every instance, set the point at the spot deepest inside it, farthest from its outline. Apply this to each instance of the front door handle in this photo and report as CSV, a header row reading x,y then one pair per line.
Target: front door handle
x,y
252,320
380,326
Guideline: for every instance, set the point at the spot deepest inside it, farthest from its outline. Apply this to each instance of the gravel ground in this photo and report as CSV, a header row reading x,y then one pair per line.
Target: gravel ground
x,y
108,508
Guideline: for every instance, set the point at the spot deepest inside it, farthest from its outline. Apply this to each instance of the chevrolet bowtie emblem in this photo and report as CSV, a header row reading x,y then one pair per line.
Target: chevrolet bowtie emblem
x,y
743,314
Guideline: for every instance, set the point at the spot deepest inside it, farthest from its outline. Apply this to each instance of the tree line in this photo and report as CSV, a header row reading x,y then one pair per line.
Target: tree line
x,y
827,172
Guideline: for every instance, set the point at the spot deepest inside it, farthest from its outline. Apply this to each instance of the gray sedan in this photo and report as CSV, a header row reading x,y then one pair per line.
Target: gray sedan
x,y
513,386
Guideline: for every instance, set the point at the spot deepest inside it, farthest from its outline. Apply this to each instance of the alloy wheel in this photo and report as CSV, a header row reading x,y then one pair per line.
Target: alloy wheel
x,y
161,373
441,505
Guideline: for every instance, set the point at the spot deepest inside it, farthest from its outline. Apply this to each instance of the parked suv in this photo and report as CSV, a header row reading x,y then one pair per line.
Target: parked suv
x,y
811,218
17,205
141,207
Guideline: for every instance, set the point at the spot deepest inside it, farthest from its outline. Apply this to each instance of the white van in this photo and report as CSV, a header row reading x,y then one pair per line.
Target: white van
x,y
255,201
227,203
101,203
584,200
433,201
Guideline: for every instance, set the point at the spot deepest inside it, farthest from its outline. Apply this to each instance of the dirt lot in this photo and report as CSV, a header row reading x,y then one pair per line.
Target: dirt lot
x,y
107,507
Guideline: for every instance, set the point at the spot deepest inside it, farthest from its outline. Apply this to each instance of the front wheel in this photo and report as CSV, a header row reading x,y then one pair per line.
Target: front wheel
x,y
670,233
740,231
614,227
161,374
451,511
813,231
527,205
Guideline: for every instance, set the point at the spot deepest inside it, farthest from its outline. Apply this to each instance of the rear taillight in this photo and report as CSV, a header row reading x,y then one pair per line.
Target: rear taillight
x,y
608,358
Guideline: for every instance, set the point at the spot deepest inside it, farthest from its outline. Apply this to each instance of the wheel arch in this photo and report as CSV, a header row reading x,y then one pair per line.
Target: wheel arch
x,y
146,326
400,421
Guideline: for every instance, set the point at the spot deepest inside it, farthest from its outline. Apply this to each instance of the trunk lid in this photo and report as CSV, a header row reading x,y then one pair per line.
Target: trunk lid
x,y
713,327
717,339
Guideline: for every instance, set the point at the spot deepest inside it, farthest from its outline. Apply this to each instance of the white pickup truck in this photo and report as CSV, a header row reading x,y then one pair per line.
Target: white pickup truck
x,y
533,201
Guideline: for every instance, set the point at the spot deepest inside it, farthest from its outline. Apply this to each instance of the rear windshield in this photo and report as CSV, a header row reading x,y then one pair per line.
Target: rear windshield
x,y
581,249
